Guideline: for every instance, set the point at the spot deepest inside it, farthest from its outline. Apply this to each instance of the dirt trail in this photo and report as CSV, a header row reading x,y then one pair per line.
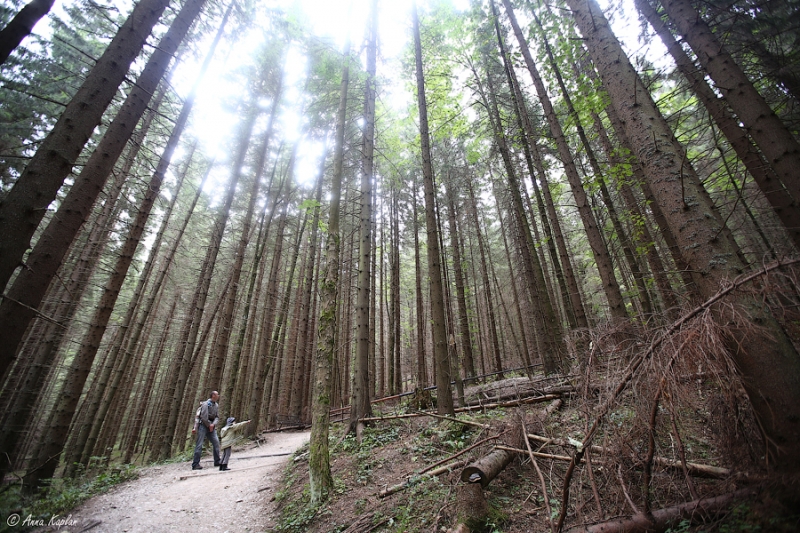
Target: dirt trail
x,y
173,497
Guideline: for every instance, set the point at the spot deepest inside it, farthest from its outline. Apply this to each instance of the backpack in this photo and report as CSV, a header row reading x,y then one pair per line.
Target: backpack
x,y
197,414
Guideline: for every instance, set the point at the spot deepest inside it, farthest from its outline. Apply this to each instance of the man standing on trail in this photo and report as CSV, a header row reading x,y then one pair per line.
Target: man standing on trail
x,y
209,418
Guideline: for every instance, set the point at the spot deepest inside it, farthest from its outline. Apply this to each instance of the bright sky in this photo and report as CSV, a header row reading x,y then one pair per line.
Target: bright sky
x,y
215,121
215,117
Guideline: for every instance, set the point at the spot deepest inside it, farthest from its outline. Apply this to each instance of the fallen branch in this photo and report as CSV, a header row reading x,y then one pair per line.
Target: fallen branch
x,y
514,403
535,454
465,422
413,479
91,525
216,472
636,363
695,469
287,428
266,455
462,452
364,524
539,471
694,511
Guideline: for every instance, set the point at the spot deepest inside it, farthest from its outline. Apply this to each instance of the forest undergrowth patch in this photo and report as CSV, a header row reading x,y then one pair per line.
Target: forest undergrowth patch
x,y
60,496
690,426
648,422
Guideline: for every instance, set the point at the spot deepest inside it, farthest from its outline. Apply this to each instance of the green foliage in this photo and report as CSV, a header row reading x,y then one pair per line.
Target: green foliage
x,y
309,204
409,516
372,437
493,522
297,514
60,495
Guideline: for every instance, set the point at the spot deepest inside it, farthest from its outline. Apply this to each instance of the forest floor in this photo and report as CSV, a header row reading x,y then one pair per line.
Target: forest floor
x,y
173,497
395,451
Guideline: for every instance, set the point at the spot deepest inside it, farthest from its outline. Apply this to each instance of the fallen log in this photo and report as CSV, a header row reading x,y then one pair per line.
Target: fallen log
x,y
695,511
485,469
514,403
287,428
411,480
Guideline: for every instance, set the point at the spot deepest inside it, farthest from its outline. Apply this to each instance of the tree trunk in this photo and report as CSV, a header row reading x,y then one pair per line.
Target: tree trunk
x,y
81,449
300,382
263,361
30,286
641,234
782,202
494,345
599,251
421,331
576,316
319,467
26,203
461,300
543,322
186,350
221,345
444,395
769,364
772,137
599,176
21,26
360,405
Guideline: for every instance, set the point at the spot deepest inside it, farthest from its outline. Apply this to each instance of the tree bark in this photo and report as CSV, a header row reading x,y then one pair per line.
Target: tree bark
x,y
32,282
772,137
782,202
21,26
769,364
461,300
319,467
599,251
444,396
26,203
360,402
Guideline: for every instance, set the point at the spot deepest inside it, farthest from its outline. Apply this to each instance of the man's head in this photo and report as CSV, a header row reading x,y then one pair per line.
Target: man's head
x,y
214,396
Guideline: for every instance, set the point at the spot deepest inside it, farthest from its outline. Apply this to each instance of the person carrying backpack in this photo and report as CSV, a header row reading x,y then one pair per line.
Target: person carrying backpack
x,y
209,418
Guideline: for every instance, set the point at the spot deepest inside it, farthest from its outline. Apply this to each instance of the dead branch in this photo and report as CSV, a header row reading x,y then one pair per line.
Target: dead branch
x,y
411,479
634,365
695,511
593,483
536,454
539,472
695,469
462,452
651,449
364,524
628,496
465,422
515,403
682,454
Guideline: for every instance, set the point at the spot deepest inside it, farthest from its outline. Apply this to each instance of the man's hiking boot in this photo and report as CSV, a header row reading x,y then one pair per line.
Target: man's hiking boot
x,y
198,467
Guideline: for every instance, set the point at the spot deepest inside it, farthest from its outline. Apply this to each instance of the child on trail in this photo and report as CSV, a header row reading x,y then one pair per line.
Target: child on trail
x,y
229,435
